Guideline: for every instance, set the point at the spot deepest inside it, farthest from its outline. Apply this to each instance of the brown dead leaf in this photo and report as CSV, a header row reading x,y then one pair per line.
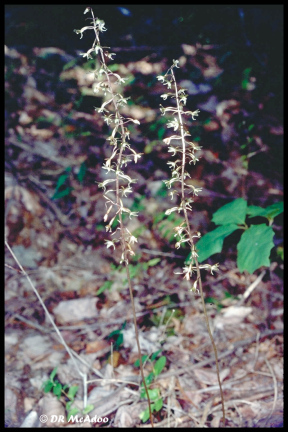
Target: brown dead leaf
x,y
96,346
209,377
115,359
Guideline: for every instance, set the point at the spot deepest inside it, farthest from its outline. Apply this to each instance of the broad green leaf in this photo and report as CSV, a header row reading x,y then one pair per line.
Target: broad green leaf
x,y
254,248
232,213
159,365
72,392
274,210
212,242
158,404
269,212
253,211
153,393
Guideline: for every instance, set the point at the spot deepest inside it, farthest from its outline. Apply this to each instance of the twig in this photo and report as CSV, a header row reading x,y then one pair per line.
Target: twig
x,y
64,162
61,339
159,253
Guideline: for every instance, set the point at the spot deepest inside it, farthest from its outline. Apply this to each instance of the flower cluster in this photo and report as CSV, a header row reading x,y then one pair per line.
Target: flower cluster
x,y
122,153
184,150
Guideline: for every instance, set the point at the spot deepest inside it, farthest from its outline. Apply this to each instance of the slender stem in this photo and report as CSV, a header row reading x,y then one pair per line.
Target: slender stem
x,y
122,228
188,230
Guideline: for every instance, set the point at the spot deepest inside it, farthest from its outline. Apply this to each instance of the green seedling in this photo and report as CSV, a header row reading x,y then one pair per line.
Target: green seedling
x,y
154,393
117,336
63,187
52,384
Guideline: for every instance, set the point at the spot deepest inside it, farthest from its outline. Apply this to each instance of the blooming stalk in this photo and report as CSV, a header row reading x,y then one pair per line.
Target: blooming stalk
x,y
121,154
184,150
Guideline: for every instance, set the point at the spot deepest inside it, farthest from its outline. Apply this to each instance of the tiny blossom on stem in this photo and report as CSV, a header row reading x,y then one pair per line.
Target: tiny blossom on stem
x,y
121,155
179,174
187,156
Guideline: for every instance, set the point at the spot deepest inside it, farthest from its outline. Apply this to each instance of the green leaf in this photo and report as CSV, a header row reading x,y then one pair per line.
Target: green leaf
x,y
88,409
105,286
153,262
62,194
149,378
231,213
61,180
158,404
153,394
254,248
114,67
70,64
82,172
72,392
148,381
53,373
68,405
280,252
253,211
72,412
159,365
47,386
144,415
144,358
155,354
114,333
212,242
57,389
269,212
159,217
119,341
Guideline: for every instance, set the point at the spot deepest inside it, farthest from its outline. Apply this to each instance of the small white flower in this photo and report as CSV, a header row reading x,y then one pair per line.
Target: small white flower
x,y
110,243
133,240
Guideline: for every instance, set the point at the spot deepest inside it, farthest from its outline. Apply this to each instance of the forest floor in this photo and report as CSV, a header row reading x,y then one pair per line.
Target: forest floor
x,y
55,148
